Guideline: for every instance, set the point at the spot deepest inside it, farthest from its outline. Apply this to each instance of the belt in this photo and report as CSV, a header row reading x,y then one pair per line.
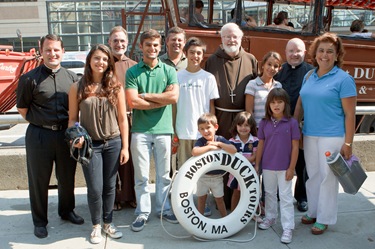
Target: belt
x,y
54,127
229,110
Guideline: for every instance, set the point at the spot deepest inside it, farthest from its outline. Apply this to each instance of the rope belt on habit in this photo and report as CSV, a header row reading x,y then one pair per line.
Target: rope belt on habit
x,y
229,110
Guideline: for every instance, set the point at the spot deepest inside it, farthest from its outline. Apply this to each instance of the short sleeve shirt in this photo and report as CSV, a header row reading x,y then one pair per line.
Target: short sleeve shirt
x,y
45,93
202,142
246,149
277,138
151,80
256,88
196,91
321,101
182,64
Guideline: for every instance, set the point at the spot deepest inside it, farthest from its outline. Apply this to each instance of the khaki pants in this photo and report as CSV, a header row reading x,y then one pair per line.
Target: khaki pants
x,y
184,151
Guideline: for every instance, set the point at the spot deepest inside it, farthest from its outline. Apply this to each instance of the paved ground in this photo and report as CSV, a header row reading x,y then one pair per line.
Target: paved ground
x,y
355,227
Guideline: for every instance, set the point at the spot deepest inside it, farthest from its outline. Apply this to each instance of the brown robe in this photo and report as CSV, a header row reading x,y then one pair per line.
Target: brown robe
x,y
237,70
125,185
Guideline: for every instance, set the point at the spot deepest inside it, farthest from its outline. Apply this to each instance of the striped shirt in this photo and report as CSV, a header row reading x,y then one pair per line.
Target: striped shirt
x,y
256,88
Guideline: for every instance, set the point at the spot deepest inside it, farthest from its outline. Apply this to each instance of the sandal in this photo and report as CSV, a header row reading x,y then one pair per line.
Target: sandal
x,y
117,206
318,228
307,219
133,204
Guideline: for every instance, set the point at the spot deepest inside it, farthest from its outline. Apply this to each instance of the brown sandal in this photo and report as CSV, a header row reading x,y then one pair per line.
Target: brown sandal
x,y
307,220
318,228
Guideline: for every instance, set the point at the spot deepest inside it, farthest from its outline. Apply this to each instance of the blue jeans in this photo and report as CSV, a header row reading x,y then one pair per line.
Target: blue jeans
x,y
142,145
100,177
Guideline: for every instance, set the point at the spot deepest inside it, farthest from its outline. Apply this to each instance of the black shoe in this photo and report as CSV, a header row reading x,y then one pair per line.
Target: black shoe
x,y
40,232
73,218
302,206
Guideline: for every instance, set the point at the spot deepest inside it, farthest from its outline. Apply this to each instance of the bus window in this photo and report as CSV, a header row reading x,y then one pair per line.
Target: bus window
x,y
343,18
202,16
299,15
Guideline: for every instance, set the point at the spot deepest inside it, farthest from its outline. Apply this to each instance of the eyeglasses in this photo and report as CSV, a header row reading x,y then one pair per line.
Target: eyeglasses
x,y
234,37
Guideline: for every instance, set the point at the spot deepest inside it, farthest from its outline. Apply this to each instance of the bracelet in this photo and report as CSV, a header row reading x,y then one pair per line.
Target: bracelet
x,y
348,144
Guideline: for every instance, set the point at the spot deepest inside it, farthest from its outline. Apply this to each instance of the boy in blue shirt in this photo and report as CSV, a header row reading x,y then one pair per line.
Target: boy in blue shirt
x,y
213,180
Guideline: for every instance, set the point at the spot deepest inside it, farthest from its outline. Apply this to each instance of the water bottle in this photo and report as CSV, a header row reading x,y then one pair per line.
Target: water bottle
x,y
337,163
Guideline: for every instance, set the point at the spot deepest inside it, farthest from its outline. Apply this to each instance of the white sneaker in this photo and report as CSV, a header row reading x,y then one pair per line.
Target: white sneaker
x,y
287,236
267,223
112,231
96,234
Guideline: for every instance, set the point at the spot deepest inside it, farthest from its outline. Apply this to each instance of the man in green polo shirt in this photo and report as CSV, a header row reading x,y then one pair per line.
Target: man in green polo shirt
x,y
151,89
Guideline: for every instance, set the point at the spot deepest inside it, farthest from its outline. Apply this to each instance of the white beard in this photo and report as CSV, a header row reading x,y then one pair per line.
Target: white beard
x,y
231,49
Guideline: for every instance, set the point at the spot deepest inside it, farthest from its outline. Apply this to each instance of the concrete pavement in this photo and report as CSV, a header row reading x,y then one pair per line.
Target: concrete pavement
x,y
355,227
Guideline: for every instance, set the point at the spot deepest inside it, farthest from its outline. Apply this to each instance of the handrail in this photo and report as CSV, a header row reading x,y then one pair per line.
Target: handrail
x,y
365,110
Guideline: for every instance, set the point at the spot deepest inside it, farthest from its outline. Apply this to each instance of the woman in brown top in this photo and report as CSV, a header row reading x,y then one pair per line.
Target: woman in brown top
x,y
98,102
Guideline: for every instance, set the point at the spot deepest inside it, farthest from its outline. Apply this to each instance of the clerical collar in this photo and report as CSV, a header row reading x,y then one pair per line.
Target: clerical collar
x,y
51,70
295,67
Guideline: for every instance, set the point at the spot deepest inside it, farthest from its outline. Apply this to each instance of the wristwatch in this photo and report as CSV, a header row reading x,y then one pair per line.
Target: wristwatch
x,y
349,144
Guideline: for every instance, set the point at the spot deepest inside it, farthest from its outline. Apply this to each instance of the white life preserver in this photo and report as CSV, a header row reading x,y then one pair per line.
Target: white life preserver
x,y
185,182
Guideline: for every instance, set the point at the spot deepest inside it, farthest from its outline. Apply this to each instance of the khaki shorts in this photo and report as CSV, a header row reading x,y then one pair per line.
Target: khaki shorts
x,y
210,182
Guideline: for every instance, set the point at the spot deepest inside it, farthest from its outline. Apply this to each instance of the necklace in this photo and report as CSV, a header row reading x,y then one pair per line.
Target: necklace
x,y
231,87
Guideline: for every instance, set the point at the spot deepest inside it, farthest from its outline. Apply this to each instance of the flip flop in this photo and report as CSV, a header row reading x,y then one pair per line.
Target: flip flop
x,y
318,228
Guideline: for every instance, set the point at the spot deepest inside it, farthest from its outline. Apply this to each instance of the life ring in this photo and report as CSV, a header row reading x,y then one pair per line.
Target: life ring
x,y
185,182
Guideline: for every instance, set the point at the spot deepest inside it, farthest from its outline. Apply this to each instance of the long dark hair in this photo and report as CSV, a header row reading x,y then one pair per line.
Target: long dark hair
x,y
110,85
241,118
277,94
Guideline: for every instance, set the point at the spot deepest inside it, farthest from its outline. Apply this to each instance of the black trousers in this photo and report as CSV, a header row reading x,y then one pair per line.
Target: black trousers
x,y
43,148
300,187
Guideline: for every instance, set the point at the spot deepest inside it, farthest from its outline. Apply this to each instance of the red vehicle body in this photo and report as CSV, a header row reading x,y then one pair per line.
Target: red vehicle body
x,y
12,66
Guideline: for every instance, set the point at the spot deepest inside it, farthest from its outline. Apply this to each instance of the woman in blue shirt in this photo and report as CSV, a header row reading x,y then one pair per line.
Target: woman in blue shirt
x,y
328,100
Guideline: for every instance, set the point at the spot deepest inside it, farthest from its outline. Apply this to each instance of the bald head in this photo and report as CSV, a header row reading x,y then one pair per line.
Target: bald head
x,y
295,52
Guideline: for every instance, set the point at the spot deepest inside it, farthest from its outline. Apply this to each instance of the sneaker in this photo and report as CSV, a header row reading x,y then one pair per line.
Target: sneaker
x,y
267,223
257,218
139,223
287,236
112,231
170,218
207,211
96,234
